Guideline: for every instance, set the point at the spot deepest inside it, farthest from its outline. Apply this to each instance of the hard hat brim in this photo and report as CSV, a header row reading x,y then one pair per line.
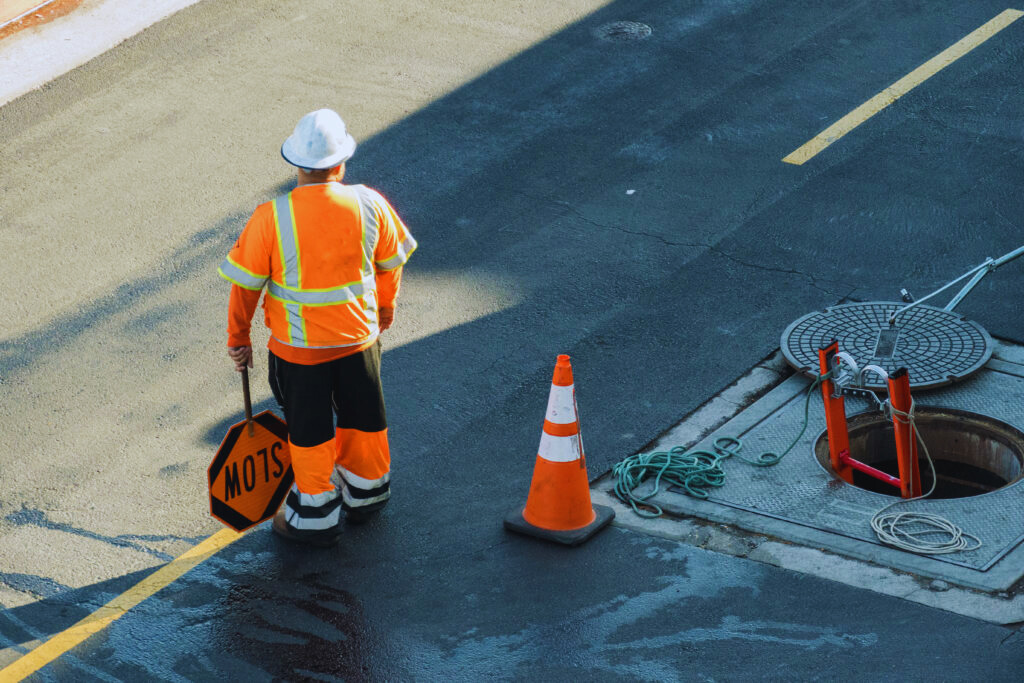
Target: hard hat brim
x,y
291,155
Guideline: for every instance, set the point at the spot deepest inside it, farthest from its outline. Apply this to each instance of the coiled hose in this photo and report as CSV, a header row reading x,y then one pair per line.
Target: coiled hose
x,y
693,471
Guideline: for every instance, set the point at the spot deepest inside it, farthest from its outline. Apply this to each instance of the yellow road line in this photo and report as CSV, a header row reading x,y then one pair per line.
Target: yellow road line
x,y
116,608
902,87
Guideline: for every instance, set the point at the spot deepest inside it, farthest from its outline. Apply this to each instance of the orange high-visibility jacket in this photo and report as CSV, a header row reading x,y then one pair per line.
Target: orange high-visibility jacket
x,y
318,250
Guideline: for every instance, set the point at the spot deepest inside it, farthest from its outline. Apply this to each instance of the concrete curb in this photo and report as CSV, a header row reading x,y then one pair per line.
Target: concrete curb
x,y
38,54
996,609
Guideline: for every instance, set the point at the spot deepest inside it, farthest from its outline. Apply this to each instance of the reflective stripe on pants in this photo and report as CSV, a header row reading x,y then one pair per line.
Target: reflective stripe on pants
x,y
358,492
313,512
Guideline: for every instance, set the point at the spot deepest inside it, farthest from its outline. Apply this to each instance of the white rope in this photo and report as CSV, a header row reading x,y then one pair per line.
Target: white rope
x,y
920,532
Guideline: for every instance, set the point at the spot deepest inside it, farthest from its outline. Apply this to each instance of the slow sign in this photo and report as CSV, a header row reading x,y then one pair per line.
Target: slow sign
x,y
250,475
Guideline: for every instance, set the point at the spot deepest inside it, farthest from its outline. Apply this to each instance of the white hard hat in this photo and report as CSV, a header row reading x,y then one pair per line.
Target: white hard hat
x,y
319,141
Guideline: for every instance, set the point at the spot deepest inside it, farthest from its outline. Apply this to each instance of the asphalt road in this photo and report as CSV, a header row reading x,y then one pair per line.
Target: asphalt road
x,y
623,201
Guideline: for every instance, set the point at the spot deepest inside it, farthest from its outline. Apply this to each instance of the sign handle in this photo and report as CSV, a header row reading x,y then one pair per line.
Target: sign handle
x,y
248,402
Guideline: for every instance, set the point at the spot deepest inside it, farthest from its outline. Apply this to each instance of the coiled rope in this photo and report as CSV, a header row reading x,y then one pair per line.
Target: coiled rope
x,y
920,532
695,471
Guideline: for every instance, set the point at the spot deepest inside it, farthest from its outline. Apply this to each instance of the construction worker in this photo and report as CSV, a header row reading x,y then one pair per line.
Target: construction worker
x,y
331,257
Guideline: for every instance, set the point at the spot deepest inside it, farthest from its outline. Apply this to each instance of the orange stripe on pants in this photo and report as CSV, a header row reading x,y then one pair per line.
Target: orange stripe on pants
x,y
313,467
365,454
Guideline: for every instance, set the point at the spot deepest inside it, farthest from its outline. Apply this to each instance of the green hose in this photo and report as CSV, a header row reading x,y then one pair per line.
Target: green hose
x,y
695,471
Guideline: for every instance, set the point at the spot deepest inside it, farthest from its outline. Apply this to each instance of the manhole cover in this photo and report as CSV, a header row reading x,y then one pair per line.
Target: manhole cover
x,y
937,346
622,31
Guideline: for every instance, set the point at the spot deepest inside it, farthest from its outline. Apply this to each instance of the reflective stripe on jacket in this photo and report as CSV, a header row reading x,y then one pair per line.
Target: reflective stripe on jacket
x,y
318,249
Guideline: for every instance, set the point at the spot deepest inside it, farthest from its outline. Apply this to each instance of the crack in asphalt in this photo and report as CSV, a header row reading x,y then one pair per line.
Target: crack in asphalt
x,y
490,368
813,281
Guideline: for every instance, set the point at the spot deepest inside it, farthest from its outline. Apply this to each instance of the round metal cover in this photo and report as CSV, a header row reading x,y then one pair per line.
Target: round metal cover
x,y
936,346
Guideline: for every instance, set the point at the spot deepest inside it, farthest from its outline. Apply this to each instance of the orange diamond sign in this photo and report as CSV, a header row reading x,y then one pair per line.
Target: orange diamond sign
x,y
250,475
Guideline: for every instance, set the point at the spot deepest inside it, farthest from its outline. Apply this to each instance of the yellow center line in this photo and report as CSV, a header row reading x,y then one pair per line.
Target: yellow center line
x,y
901,87
116,608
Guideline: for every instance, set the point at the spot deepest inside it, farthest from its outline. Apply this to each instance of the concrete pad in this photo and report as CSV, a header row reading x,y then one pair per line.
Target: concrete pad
x,y
799,501
1008,352
760,535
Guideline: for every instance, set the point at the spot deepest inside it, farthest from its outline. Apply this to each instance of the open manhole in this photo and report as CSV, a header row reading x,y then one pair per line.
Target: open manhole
x,y
973,454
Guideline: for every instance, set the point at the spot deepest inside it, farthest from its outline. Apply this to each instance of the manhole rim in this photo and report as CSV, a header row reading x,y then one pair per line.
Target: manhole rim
x,y
1001,424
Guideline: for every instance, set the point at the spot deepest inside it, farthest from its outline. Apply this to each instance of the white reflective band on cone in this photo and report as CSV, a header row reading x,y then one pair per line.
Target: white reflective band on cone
x,y
559,448
561,405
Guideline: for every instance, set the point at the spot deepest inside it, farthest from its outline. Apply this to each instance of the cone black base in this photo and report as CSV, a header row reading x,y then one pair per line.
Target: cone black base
x,y
514,522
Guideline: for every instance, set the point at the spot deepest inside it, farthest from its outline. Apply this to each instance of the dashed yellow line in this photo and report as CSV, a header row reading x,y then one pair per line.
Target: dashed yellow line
x,y
116,608
901,87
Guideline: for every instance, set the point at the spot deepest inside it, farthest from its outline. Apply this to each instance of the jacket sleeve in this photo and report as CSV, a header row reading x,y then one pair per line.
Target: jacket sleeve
x,y
395,244
248,263
241,305
247,268
388,284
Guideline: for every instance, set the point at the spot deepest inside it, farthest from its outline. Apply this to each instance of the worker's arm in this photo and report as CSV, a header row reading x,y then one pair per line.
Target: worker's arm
x,y
241,307
247,268
394,246
388,284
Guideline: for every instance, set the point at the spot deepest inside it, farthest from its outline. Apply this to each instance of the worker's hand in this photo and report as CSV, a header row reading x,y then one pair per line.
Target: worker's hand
x,y
385,317
242,355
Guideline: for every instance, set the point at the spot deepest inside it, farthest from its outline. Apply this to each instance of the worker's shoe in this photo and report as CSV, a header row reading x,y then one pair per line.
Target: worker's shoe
x,y
321,538
364,513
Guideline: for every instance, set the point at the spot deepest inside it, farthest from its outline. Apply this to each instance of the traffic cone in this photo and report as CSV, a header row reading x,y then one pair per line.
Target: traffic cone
x,y
558,507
